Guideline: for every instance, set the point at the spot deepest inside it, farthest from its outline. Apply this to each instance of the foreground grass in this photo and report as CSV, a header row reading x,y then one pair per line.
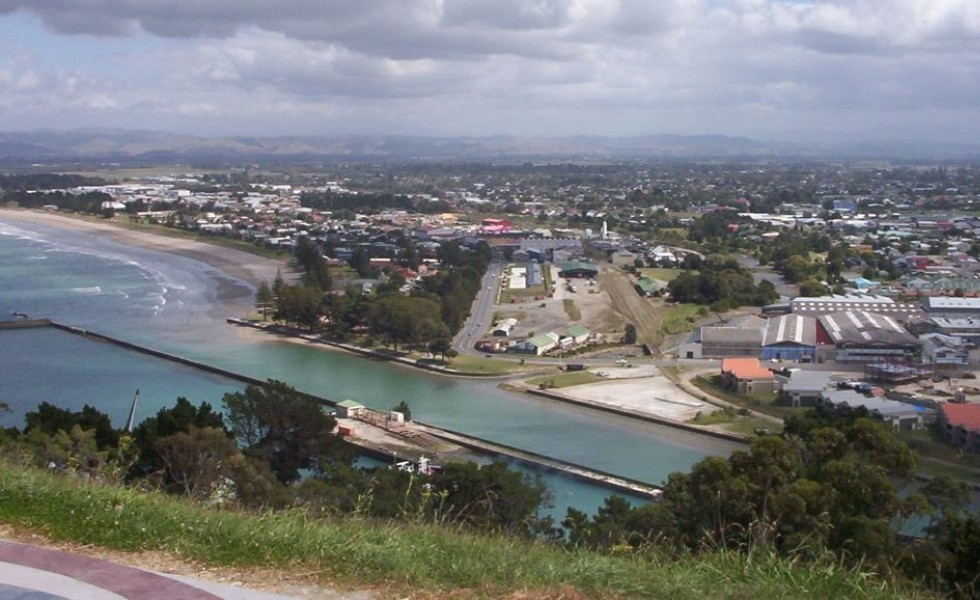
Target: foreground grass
x,y
401,558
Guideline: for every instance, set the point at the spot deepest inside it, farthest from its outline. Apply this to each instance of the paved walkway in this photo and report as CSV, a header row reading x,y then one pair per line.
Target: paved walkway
x,y
34,573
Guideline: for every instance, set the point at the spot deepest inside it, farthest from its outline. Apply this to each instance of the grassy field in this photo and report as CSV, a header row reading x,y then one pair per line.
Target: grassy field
x,y
565,379
948,460
677,318
763,404
480,365
662,274
398,559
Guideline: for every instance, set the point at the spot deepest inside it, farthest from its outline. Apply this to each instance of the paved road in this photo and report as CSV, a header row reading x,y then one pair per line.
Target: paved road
x,y
481,313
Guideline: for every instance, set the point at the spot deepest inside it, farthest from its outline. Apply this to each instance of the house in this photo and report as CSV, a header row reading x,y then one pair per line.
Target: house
x,y
901,416
579,269
623,258
805,388
504,327
578,335
747,376
348,409
944,350
960,425
648,286
662,256
539,344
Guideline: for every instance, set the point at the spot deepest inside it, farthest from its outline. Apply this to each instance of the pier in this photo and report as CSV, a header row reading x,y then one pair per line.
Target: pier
x,y
413,429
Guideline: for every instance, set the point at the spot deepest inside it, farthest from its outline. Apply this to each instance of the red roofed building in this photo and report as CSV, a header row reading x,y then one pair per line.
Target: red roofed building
x,y
960,424
747,376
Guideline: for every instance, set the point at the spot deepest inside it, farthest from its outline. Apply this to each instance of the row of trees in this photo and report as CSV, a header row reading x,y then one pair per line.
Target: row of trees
x,y
825,485
428,316
271,447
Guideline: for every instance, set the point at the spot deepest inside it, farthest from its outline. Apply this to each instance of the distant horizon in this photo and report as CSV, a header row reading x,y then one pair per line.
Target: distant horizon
x,y
149,145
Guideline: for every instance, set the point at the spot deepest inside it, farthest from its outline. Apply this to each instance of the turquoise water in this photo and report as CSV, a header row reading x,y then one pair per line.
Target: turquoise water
x,y
168,302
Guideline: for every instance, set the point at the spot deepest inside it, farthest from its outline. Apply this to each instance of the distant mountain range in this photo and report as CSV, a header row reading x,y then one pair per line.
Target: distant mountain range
x,y
133,147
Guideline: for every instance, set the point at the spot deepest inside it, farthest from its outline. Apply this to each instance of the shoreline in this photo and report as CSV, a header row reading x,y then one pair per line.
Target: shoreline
x,y
511,382
234,264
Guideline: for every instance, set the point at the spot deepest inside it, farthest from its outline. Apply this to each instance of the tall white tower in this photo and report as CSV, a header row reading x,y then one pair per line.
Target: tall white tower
x,y
605,230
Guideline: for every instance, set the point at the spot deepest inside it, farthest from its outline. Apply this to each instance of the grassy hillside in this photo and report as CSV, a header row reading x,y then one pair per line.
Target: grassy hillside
x,y
401,559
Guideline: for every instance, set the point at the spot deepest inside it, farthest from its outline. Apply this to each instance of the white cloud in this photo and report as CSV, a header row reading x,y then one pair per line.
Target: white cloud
x,y
512,65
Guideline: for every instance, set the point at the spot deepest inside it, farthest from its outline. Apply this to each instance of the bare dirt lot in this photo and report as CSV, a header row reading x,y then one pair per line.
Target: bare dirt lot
x,y
541,316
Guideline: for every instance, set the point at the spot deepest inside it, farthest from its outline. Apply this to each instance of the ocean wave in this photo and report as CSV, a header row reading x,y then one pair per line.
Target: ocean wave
x,y
163,282
87,291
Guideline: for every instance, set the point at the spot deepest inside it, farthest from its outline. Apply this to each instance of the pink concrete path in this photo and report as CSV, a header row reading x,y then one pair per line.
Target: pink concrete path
x,y
31,572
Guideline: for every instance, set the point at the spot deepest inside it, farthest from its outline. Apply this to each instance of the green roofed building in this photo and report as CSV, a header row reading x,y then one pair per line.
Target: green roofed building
x,y
577,333
582,269
647,286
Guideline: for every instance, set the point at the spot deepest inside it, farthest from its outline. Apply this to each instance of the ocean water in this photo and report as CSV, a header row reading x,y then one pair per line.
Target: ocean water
x,y
169,302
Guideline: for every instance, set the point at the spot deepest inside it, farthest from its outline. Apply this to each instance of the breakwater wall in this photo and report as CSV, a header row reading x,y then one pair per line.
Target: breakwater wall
x,y
25,324
594,476
285,330
172,357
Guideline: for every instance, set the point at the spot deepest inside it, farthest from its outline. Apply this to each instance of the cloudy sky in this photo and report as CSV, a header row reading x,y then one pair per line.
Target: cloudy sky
x,y
770,69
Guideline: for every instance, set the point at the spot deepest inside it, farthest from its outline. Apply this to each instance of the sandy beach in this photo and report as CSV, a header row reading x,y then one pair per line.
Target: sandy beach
x,y
242,265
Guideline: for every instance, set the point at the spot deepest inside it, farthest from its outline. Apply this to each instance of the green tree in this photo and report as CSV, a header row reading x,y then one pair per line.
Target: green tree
x,y
277,284
300,304
180,417
630,336
812,288
197,460
51,419
491,497
826,483
284,427
264,299
439,346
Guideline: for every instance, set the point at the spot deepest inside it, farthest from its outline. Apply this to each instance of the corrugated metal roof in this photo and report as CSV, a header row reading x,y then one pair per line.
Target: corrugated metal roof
x,y
862,328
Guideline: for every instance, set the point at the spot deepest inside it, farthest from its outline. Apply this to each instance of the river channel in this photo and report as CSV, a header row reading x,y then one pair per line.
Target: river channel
x,y
171,303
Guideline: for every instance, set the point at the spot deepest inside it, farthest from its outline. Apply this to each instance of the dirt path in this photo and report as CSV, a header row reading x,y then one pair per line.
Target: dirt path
x,y
636,310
